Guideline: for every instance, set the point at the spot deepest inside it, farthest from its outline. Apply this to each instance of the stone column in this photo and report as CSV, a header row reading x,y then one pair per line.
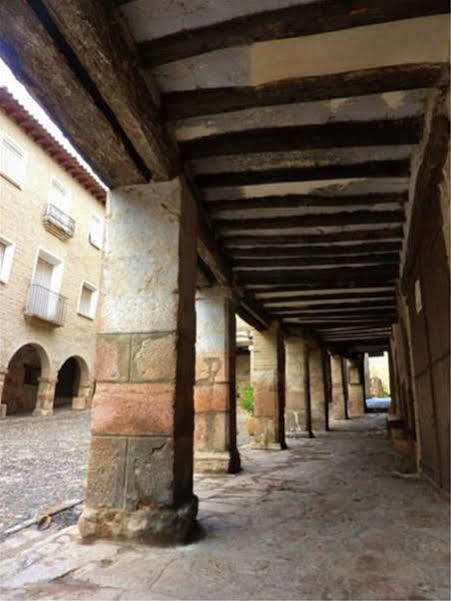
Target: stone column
x,y
338,411
84,397
317,389
268,381
355,388
294,377
45,396
140,471
215,394
3,406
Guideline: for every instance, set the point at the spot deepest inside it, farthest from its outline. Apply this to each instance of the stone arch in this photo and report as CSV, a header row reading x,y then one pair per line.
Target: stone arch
x,y
28,365
73,386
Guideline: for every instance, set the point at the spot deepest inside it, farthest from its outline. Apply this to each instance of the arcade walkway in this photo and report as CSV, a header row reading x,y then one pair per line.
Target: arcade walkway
x,y
331,518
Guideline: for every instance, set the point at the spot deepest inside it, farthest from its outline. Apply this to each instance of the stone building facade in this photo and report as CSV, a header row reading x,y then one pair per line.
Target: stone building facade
x,y
51,238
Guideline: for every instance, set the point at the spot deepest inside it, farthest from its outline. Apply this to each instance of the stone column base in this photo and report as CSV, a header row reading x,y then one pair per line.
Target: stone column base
x,y
42,412
153,525
267,446
79,403
3,408
211,462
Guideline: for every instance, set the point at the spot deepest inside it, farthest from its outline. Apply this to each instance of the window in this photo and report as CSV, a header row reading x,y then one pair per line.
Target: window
x,y
88,300
6,258
96,231
59,195
12,160
44,300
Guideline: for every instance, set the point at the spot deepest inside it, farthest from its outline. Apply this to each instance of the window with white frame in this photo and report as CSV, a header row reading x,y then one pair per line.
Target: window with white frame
x,y
59,195
6,258
13,160
96,231
88,300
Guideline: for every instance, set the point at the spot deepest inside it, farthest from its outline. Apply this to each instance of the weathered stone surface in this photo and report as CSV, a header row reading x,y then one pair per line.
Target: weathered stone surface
x,y
45,397
148,476
268,381
153,356
113,358
106,470
295,401
131,409
355,389
215,395
337,388
155,526
317,388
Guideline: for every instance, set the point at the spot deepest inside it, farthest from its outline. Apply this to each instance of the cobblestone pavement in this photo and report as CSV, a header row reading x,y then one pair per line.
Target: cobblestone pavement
x,y
43,463
330,518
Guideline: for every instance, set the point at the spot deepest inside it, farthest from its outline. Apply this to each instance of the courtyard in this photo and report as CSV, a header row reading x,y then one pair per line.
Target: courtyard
x,y
331,518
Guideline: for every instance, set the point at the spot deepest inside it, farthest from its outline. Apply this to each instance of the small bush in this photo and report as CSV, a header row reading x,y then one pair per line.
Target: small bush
x,y
247,400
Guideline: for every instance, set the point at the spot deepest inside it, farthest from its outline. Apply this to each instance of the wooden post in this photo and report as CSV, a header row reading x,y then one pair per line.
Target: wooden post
x,y
307,395
327,388
344,377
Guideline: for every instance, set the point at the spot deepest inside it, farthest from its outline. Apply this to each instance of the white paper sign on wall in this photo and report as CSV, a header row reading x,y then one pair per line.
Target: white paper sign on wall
x,y
418,300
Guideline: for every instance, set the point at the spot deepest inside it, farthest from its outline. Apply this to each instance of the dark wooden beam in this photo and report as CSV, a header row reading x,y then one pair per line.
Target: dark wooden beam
x,y
349,276
364,297
394,168
327,386
294,21
338,311
305,200
344,379
320,220
337,134
99,48
382,259
206,101
321,238
429,181
359,304
307,393
331,250
43,64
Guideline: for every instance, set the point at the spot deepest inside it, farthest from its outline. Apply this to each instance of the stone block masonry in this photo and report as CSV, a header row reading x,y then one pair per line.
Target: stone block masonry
x,y
141,457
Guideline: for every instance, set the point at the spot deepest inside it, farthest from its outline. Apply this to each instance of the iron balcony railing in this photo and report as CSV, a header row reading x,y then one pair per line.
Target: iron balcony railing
x,y
54,216
46,304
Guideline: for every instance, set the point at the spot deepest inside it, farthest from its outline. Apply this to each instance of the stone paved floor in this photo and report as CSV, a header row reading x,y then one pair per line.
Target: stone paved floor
x,y
43,463
328,519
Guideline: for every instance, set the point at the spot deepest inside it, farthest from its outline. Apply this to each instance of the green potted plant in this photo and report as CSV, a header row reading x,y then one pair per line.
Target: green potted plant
x,y
246,401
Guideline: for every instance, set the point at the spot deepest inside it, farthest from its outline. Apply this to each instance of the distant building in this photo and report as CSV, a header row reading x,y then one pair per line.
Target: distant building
x,y
51,239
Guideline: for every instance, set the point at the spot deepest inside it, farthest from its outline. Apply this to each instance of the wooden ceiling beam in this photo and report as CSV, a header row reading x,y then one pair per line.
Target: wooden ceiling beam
x,y
272,252
293,21
349,276
305,200
360,296
208,101
321,220
321,238
336,134
380,259
393,168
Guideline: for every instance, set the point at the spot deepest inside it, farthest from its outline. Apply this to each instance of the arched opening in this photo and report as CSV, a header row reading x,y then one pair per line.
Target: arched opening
x,y
25,368
72,374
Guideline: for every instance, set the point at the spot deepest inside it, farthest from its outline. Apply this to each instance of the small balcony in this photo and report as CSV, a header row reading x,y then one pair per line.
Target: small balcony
x,y
46,305
58,222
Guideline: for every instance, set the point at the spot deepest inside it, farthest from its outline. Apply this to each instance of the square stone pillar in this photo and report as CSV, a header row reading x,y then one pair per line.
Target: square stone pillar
x,y
83,399
45,397
215,394
317,389
355,388
268,381
338,410
295,415
3,406
140,471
